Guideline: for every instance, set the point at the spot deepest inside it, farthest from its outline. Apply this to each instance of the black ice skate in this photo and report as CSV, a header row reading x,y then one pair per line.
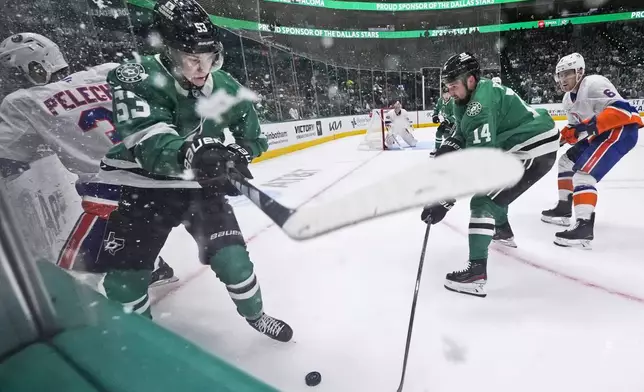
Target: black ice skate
x,y
469,281
560,215
272,327
579,236
503,235
162,275
432,154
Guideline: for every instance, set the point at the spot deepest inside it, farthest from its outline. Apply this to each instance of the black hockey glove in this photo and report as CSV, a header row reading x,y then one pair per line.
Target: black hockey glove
x,y
211,162
436,119
450,144
435,213
446,124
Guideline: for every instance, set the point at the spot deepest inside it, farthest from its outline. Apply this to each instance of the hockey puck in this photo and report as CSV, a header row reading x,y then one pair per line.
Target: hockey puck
x,y
312,379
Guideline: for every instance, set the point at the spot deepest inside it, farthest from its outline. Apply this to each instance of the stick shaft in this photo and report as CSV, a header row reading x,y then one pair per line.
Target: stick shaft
x,y
413,308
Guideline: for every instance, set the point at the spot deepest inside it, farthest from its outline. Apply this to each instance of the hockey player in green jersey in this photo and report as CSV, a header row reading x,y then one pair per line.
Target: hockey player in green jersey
x,y
491,115
444,108
174,167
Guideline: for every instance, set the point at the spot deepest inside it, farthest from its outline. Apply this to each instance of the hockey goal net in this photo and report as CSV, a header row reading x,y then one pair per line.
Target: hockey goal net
x,y
374,139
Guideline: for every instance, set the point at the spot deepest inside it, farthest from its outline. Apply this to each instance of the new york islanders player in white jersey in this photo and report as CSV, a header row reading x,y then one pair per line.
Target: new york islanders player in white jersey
x,y
72,115
398,123
602,127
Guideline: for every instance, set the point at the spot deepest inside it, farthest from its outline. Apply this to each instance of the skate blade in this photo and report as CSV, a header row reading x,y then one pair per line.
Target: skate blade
x,y
579,244
509,243
475,289
163,282
559,221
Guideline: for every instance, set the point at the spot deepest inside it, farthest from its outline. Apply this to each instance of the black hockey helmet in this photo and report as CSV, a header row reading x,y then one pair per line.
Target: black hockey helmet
x,y
460,66
184,25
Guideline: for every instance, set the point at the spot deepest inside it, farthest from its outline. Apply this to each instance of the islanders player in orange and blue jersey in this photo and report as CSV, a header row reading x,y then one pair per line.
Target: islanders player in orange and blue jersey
x,y
602,128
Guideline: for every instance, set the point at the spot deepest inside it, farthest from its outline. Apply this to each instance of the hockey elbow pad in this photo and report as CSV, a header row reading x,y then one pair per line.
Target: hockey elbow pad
x,y
449,145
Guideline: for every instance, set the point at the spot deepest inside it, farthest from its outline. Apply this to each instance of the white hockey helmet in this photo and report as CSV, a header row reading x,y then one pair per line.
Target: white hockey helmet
x,y
397,105
572,61
32,53
496,80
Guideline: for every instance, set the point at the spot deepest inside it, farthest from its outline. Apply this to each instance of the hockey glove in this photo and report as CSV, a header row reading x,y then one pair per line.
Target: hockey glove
x,y
211,161
435,213
445,126
436,119
568,135
586,127
450,144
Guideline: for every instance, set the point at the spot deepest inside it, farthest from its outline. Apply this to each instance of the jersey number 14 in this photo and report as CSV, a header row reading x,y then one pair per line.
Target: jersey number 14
x,y
482,133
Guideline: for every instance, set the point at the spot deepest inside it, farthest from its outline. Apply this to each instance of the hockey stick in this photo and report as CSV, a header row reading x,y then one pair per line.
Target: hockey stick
x,y
413,308
453,175
273,209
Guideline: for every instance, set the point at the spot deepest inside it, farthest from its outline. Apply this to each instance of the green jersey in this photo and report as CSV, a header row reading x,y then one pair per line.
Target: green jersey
x,y
497,117
445,109
154,117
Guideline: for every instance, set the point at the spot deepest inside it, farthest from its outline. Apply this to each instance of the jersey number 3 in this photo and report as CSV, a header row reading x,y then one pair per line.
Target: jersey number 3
x,y
99,118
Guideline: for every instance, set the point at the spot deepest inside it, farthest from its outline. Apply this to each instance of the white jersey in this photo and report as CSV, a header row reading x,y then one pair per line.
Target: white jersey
x,y
595,93
73,117
398,121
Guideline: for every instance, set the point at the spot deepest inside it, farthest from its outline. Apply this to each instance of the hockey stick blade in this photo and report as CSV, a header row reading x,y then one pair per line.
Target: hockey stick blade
x,y
450,176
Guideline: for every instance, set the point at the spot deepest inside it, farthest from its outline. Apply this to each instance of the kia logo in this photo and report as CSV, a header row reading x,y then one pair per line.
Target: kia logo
x,y
335,125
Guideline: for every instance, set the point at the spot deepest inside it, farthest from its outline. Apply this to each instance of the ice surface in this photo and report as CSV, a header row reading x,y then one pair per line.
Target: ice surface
x,y
554,319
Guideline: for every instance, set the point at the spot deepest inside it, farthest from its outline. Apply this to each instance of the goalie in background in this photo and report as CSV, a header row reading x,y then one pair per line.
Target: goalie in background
x,y
398,124
445,109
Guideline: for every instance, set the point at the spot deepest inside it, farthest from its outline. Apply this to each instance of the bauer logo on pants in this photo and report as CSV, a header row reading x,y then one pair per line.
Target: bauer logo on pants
x,y
226,233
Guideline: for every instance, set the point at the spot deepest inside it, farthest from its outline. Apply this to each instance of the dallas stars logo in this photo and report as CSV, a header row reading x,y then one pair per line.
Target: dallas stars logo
x,y
130,73
473,108
113,244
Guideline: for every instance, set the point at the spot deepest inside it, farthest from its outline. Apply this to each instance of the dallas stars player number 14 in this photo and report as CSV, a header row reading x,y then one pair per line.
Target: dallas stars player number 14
x,y
489,114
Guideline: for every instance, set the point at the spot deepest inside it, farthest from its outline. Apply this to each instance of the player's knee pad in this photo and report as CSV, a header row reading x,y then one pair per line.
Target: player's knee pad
x,y
232,265
565,164
580,179
390,140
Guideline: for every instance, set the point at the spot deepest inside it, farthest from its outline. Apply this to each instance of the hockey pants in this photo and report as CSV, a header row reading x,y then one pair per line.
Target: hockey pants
x,y
490,210
84,242
138,229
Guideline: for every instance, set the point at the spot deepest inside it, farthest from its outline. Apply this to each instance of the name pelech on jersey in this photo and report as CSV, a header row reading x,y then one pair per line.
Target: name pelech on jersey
x,y
71,117
497,117
155,116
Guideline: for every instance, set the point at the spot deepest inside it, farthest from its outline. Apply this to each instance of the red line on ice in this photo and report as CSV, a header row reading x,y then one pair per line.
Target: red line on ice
x,y
559,274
